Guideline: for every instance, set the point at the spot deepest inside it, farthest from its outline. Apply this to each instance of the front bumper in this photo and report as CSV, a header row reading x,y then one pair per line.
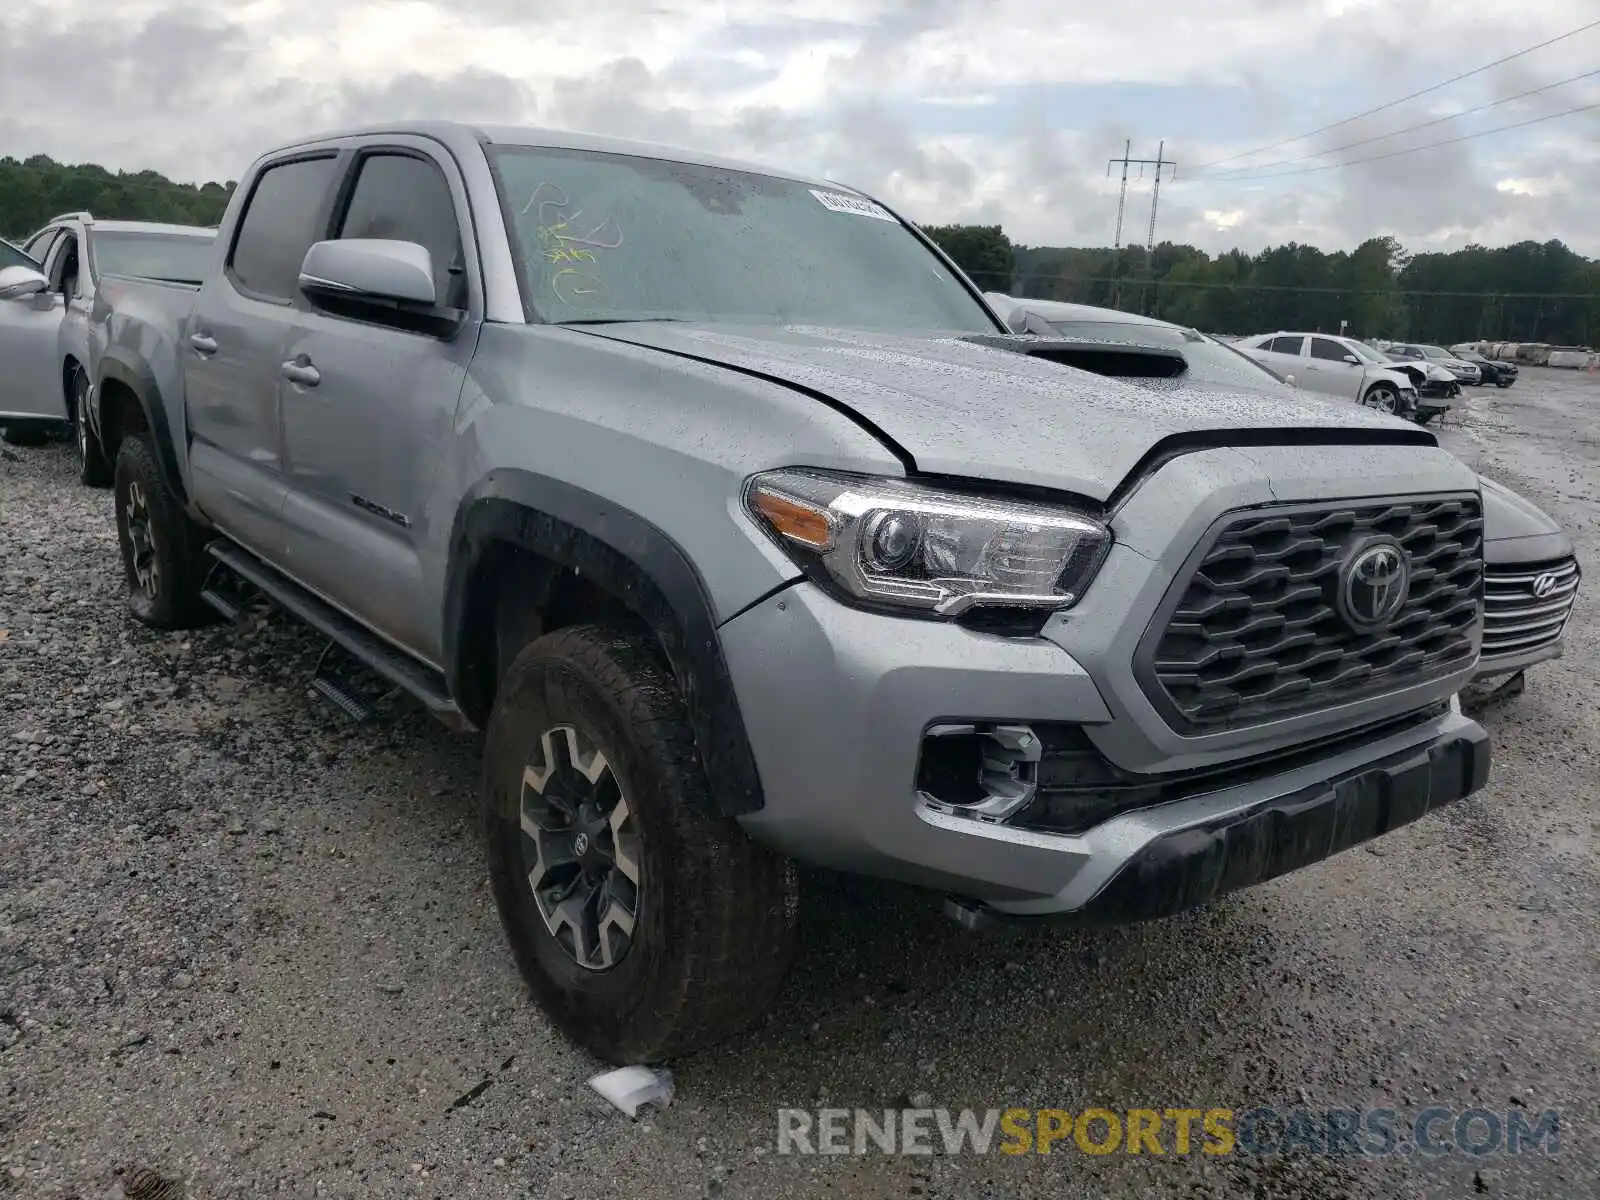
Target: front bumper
x,y
1491,666
1194,864
838,704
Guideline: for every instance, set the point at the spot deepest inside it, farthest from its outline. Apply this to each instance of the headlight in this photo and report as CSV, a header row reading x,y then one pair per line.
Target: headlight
x,y
887,542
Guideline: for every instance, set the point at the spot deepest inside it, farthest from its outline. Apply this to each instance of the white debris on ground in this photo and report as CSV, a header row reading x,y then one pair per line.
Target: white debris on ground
x,y
630,1088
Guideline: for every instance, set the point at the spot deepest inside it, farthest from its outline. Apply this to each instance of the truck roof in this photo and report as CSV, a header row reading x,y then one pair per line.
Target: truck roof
x,y
460,136
158,227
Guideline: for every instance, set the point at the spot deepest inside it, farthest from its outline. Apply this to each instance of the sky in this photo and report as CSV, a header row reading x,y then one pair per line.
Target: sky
x,y
989,111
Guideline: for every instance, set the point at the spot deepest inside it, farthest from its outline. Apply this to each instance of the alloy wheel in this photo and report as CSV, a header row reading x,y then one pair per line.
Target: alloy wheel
x,y
580,848
146,567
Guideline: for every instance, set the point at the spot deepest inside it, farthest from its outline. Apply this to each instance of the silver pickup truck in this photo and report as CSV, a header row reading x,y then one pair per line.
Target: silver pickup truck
x,y
748,533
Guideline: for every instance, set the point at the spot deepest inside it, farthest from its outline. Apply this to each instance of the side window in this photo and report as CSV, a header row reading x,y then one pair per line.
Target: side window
x,y
1285,345
63,266
278,227
408,199
1323,348
39,248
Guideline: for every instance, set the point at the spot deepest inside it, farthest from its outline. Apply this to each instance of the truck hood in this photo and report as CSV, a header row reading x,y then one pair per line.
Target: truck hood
x,y
962,409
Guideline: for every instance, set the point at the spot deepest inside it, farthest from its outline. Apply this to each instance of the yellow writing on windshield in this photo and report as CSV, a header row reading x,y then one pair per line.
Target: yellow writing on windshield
x,y
567,242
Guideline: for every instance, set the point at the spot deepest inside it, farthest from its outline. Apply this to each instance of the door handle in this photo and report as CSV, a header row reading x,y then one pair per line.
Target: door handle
x,y
302,373
203,343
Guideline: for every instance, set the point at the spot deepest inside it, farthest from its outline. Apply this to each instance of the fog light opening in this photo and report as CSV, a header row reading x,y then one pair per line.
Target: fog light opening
x,y
987,772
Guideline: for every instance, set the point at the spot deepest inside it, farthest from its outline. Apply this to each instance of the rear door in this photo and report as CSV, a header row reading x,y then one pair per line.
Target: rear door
x,y
233,351
1327,371
369,404
1282,353
30,384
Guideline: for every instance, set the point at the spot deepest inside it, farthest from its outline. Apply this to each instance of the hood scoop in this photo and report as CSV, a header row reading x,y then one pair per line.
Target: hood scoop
x,y
1120,360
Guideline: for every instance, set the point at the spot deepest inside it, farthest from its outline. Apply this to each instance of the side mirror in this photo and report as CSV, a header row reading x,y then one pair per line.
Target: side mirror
x,y
369,269
1024,320
18,283
1291,381
1352,360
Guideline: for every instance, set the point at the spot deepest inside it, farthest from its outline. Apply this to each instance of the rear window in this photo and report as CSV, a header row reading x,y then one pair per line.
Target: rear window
x,y
281,220
179,258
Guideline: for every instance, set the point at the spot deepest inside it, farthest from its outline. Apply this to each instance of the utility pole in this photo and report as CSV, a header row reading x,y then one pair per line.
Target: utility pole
x,y
1158,162
1122,193
1155,199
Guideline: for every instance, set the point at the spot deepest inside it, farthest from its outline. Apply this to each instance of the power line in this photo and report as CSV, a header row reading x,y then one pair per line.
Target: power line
x,y
1392,103
1382,137
1466,137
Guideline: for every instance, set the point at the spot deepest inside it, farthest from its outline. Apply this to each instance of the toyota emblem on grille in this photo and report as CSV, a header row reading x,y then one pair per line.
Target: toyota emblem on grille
x,y
1374,585
1545,584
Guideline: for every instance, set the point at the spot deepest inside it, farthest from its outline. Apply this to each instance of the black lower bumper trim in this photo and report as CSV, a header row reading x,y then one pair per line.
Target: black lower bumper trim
x,y
1193,866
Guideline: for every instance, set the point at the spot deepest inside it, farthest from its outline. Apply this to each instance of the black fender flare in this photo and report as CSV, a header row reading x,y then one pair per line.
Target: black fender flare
x,y
639,565
137,377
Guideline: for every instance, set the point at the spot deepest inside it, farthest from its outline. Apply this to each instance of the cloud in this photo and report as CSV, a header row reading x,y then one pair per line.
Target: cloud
x,y
950,110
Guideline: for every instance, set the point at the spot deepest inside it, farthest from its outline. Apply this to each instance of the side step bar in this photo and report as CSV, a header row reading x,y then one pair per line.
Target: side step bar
x,y
382,659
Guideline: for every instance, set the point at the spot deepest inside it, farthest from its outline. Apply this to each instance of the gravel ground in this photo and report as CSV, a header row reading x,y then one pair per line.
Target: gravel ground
x,y
253,948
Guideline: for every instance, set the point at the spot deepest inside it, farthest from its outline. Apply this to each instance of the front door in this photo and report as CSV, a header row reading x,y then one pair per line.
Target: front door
x,y
369,409
1327,371
30,384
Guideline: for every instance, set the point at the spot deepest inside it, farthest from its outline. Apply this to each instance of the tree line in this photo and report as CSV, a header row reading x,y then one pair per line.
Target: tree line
x,y
33,190
1529,292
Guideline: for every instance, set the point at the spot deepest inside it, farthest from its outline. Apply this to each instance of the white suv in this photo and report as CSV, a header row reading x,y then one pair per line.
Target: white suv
x,y
1339,366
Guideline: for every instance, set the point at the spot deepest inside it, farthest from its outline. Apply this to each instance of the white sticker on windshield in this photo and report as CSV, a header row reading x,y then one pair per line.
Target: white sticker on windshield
x,y
858,205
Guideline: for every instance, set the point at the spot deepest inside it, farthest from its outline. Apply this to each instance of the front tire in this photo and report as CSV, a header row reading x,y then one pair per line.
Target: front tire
x,y
1383,396
161,546
658,926
93,469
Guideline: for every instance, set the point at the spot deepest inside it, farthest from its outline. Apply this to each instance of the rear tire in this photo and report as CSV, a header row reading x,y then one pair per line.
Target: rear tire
x,y
93,469
688,925
161,546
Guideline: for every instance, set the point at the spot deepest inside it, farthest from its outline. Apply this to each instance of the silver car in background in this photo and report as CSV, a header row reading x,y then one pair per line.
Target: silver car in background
x,y
29,319
1335,366
1466,373
45,332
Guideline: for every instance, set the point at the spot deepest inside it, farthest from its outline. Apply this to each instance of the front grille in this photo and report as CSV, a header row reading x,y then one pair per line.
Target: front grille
x,y
1516,620
1251,631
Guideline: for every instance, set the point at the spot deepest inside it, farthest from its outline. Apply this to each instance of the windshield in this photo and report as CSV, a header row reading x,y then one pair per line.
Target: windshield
x,y
612,237
180,258
1366,353
1435,352
1210,361
10,256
